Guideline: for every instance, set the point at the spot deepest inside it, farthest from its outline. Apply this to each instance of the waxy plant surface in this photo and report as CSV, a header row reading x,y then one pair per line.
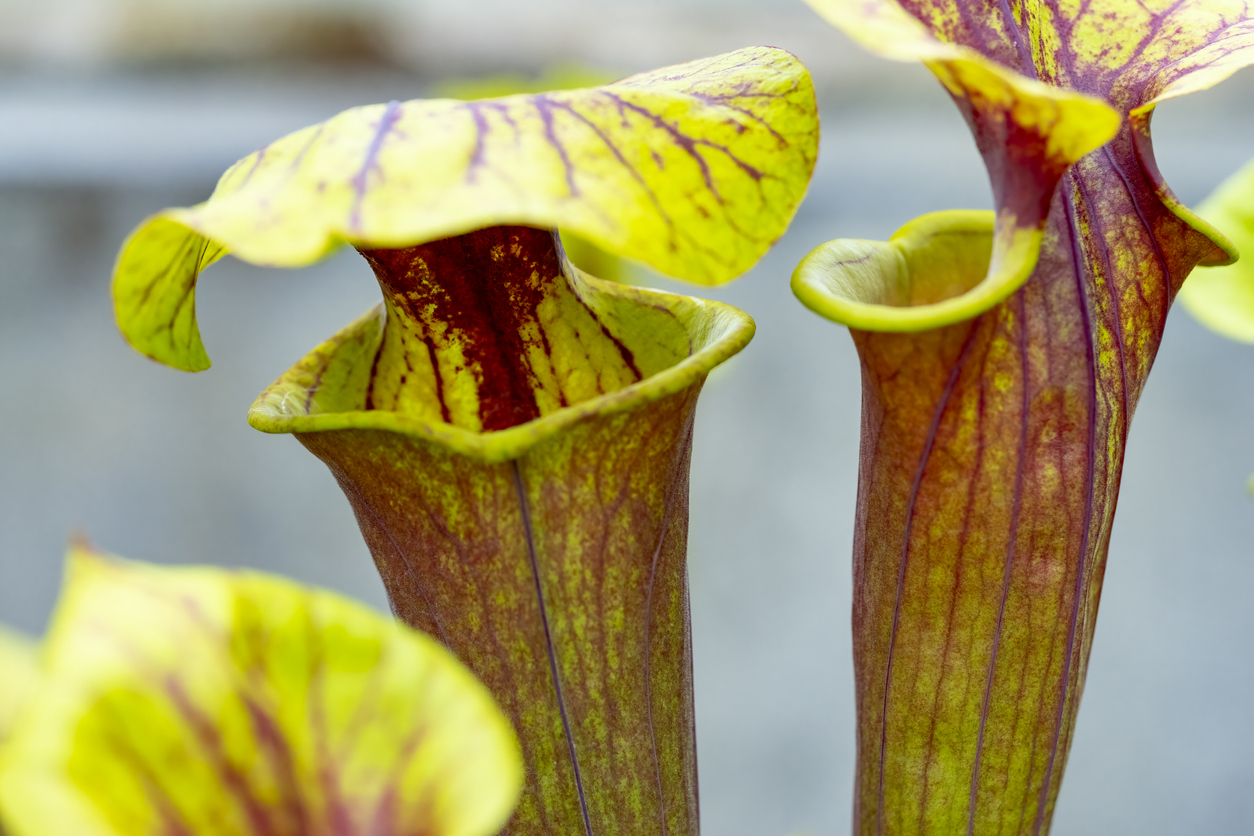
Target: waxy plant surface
x,y
200,700
992,448
1160,737
513,435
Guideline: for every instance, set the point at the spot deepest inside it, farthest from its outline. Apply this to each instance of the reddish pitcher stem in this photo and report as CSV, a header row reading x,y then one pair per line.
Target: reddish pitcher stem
x,y
991,459
557,574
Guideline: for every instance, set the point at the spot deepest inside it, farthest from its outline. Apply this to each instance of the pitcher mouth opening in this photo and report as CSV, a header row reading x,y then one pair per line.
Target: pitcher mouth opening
x,y
487,343
938,269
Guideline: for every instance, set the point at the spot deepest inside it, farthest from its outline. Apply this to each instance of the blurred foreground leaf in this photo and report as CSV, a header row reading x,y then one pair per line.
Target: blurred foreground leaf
x,y
1222,298
201,701
17,676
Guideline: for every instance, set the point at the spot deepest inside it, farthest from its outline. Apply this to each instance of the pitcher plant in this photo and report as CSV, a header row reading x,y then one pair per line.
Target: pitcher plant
x,y
1003,354
513,434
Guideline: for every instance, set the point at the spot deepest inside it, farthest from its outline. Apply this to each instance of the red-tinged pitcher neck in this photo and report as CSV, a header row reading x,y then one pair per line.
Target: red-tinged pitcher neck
x,y
484,286
486,331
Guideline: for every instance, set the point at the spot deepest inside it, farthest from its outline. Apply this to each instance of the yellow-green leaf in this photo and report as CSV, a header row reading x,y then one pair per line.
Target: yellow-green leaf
x,y
584,254
1222,298
200,701
694,170
1029,131
154,289
934,271
18,673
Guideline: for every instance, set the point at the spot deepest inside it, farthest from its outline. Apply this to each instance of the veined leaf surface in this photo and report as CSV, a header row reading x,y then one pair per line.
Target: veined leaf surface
x,y
1003,358
694,170
514,439
512,434
583,253
201,701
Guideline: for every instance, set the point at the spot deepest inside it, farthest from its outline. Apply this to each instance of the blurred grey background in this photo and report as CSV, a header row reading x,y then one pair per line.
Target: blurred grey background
x,y
113,109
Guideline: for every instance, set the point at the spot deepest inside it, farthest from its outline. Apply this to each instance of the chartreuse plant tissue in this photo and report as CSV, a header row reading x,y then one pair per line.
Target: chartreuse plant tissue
x,y
1003,354
512,433
1223,297
203,702
19,671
